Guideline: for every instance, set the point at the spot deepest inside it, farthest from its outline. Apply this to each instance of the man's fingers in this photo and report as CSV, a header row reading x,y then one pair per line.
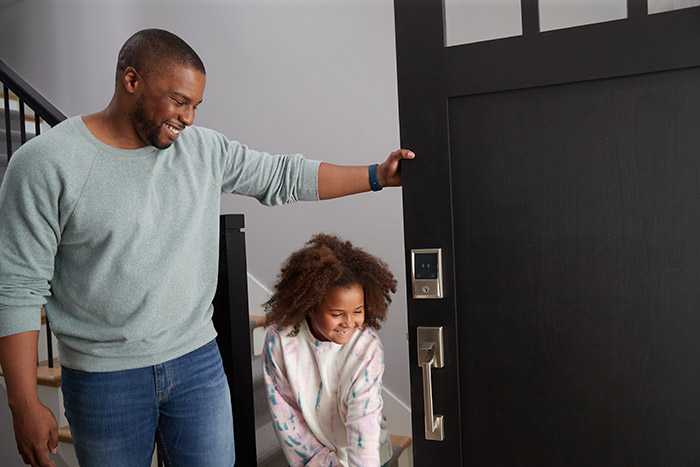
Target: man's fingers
x,y
29,457
50,446
38,455
42,458
403,154
389,171
53,440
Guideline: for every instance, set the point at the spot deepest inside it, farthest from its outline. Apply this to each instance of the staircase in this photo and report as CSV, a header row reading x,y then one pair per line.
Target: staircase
x,y
24,113
19,133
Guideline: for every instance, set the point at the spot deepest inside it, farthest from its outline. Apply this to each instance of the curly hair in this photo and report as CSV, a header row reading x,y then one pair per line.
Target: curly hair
x,y
325,263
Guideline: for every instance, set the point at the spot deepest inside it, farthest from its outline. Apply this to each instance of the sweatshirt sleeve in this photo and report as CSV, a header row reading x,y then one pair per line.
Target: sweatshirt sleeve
x,y
300,446
364,409
29,237
271,179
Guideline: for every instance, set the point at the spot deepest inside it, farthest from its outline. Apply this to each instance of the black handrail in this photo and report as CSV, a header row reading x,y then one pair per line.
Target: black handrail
x,y
30,96
43,110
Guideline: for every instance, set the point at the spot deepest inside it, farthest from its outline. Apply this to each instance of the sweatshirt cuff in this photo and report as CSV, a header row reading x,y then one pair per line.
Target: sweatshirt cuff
x,y
14,320
309,181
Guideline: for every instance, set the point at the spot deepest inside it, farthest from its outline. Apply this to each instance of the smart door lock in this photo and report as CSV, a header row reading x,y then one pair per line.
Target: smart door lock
x,y
426,273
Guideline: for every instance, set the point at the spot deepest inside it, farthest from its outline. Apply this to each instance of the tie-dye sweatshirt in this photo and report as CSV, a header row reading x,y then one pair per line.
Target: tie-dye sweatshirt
x,y
325,398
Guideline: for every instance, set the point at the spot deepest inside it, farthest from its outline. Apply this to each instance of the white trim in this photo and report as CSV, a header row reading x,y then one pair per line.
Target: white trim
x,y
257,295
398,401
260,284
397,413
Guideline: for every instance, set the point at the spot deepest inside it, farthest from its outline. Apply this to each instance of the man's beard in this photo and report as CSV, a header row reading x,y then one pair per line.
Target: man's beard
x,y
146,126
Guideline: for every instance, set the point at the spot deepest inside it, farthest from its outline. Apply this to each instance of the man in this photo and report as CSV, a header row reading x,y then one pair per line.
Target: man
x,y
117,213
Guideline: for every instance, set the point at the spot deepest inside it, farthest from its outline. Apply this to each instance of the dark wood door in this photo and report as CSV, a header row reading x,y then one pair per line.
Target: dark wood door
x,y
559,172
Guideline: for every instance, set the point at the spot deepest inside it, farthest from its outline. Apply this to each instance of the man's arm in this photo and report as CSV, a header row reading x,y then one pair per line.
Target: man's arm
x,y
36,430
338,180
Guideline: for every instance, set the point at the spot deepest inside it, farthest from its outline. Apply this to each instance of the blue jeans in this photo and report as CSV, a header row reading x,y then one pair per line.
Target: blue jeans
x,y
183,405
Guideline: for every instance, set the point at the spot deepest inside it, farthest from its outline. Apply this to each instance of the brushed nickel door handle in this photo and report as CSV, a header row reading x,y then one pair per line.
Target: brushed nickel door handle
x,y
430,355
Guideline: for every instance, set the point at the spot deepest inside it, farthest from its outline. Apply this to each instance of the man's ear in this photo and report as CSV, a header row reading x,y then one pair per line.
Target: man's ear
x,y
131,80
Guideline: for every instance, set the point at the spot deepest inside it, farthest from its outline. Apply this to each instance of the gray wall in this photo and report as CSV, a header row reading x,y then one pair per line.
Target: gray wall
x,y
310,76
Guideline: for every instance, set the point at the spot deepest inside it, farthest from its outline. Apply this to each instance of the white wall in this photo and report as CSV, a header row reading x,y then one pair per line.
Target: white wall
x,y
310,76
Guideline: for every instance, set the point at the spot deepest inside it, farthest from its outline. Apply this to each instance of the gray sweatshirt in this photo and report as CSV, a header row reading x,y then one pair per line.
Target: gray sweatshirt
x,y
122,245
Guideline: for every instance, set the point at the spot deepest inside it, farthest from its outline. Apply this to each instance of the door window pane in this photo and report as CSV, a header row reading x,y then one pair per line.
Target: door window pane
x,y
661,6
561,14
468,21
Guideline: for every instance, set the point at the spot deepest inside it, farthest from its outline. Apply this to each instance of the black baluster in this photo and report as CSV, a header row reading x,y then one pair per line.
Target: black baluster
x,y
22,129
49,343
8,127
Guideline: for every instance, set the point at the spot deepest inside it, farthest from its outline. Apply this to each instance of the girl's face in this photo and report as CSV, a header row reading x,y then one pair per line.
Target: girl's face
x,y
339,315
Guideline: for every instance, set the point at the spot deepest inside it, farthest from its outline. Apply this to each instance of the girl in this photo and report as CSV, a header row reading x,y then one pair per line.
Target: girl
x,y
322,358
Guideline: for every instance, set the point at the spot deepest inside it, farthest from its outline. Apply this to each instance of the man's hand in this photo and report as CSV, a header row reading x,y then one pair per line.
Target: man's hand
x,y
36,430
389,171
342,180
36,433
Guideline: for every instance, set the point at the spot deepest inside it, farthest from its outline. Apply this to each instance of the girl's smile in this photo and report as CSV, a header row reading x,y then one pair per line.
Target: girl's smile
x,y
339,315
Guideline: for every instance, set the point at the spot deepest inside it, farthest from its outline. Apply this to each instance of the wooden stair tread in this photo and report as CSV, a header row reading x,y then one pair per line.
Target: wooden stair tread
x,y
64,435
402,441
46,376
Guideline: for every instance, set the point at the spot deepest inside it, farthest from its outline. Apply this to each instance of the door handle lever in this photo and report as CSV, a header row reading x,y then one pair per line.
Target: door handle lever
x,y
430,355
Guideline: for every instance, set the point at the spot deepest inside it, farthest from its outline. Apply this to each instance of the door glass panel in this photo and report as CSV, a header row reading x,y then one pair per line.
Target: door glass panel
x,y
561,14
468,21
661,6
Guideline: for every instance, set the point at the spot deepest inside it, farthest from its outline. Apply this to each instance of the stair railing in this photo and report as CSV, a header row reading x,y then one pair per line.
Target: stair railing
x,y
29,97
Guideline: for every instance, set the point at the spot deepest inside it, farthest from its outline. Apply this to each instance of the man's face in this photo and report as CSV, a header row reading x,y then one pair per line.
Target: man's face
x,y
167,105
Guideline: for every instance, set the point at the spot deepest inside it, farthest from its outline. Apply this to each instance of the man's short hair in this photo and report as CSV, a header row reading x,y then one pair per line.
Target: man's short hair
x,y
155,51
